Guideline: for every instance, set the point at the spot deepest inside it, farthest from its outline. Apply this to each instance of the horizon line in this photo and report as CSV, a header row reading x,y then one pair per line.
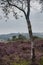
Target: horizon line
x,y
17,32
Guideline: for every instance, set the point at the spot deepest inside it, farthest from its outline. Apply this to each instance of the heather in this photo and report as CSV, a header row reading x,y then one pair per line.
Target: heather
x,y
19,52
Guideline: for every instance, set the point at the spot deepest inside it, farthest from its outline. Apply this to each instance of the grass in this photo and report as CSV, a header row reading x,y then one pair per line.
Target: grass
x,y
41,61
23,62
8,60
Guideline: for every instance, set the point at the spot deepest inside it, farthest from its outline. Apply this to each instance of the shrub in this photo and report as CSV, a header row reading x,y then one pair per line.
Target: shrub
x,y
41,61
23,62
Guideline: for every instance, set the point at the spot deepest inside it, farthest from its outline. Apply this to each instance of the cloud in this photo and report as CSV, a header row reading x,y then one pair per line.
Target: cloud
x,y
35,6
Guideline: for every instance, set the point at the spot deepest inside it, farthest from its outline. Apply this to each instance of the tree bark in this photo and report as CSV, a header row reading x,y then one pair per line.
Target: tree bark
x,y
31,38
30,29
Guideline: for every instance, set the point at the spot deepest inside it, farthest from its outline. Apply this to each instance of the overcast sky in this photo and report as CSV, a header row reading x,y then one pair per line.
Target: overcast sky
x,y
20,25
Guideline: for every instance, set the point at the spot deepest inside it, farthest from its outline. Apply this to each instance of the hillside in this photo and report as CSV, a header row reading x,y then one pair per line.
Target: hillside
x,y
20,48
6,36
19,52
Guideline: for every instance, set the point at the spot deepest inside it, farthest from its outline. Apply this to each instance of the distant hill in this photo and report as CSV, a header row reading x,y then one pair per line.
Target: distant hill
x,y
38,35
6,36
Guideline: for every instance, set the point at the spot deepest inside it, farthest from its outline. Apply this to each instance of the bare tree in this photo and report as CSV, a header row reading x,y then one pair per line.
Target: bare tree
x,y
24,6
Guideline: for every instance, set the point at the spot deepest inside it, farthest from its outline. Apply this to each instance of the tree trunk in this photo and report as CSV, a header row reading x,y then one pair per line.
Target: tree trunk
x,y
29,28
31,39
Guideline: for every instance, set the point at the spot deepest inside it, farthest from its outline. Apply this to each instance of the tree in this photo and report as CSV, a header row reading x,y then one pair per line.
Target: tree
x,y
24,6
14,38
21,37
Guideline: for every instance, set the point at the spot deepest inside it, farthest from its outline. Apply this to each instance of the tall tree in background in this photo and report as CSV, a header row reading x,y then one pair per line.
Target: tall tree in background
x,y
24,6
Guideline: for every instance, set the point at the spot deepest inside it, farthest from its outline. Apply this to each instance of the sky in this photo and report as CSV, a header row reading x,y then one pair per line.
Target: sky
x,y
20,26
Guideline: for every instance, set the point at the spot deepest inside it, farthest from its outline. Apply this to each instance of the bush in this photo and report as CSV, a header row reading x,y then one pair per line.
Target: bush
x,y
21,37
41,61
23,62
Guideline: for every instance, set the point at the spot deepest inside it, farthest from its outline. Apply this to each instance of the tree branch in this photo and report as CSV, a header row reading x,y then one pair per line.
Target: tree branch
x,y
16,7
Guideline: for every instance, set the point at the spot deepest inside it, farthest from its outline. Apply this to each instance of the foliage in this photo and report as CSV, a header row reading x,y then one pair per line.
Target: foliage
x,y
17,53
22,62
22,5
14,38
21,37
36,37
41,61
